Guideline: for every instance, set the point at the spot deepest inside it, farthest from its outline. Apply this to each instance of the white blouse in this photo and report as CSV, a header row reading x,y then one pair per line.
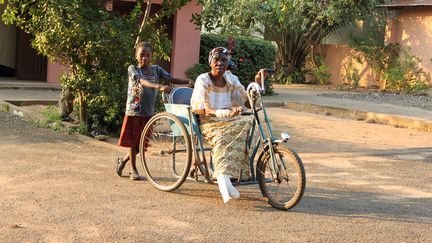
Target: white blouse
x,y
207,95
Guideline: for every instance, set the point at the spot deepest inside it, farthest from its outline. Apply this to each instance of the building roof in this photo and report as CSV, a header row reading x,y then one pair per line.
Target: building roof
x,y
407,3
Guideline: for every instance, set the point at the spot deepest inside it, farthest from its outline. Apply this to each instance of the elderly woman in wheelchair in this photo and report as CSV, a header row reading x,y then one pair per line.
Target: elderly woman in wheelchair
x,y
219,98
172,148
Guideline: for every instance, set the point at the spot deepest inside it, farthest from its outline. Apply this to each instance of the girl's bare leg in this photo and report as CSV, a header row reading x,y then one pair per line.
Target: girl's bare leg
x,y
132,156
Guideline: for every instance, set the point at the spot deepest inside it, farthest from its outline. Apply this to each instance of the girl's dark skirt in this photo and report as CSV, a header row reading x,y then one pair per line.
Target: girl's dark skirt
x,y
131,131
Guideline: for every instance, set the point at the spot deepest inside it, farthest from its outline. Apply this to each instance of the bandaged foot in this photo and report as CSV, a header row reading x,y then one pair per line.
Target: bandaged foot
x,y
226,188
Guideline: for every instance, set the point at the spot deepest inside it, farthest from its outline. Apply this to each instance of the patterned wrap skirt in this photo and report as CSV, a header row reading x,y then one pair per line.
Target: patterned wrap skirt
x,y
227,138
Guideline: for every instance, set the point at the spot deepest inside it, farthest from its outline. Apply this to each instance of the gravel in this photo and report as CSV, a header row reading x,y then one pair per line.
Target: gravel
x,y
419,101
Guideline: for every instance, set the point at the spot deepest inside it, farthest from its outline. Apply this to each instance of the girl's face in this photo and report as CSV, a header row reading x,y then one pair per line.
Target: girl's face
x,y
143,56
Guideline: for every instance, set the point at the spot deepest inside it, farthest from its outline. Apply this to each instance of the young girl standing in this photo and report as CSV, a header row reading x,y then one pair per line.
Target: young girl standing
x,y
144,81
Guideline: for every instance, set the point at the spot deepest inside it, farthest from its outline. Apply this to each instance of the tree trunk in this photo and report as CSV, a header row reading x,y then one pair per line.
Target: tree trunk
x,y
383,82
83,116
66,102
290,62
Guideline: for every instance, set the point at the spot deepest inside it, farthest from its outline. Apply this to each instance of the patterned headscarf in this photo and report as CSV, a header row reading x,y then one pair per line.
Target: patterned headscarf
x,y
218,51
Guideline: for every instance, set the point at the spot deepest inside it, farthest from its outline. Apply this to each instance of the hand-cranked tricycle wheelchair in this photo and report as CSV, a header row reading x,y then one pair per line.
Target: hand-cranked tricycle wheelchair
x,y
172,140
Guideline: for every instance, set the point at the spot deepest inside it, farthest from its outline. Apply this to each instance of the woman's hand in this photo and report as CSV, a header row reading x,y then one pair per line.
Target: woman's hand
x,y
258,76
236,111
222,113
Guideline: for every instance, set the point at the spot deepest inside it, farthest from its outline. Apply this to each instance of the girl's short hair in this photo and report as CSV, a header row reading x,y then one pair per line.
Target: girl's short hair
x,y
143,45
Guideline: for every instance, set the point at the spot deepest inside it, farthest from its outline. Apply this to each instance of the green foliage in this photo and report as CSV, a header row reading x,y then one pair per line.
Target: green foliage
x,y
378,55
77,130
295,26
284,76
268,85
250,54
197,69
320,70
351,74
393,66
53,118
406,75
97,46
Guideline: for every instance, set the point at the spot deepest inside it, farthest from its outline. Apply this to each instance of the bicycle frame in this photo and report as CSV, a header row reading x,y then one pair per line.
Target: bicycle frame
x,y
277,169
265,140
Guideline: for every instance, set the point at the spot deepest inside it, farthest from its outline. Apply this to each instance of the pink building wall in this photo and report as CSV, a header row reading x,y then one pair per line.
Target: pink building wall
x,y
412,28
338,58
186,44
186,40
54,72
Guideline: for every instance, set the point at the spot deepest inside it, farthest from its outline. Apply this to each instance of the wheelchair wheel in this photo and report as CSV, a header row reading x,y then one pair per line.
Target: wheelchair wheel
x,y
166,151
284,187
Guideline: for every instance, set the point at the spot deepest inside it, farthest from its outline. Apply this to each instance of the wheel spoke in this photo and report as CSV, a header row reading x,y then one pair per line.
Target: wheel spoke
x,y
287,183
167,158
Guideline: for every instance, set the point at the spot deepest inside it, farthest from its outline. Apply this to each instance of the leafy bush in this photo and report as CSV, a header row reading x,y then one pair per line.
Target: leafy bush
x,y
393,66
197,69
96,45
294,77
406,75
351,75
250,54
53,119
319,69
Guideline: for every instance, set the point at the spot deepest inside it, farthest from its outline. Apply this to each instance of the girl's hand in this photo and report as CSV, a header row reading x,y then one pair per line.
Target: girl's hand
x,y
165,88
191,83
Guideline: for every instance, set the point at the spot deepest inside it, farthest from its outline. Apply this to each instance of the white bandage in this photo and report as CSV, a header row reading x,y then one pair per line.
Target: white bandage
x,y
226,188
220,113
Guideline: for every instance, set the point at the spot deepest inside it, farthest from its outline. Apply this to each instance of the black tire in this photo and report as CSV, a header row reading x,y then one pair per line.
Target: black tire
x,y
278,189
167,158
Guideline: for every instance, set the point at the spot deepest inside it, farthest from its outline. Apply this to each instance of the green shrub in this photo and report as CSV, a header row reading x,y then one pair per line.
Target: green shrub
x,y
250,54
351,75
406,75
295,77
97,47
197,69
53,118
320,70
393,66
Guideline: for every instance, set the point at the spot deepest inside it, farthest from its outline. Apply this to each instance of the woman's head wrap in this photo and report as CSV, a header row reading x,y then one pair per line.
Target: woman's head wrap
x,y
218,51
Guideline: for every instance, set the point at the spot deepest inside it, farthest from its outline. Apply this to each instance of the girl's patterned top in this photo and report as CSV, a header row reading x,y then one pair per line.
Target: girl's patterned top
x,y
141,100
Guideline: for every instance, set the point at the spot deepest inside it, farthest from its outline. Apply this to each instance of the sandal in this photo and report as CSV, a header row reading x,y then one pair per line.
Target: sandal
x,y
134,175
119,166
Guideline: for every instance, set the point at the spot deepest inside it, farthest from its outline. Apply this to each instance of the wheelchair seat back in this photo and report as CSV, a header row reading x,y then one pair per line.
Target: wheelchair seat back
x,y
180,95
179,105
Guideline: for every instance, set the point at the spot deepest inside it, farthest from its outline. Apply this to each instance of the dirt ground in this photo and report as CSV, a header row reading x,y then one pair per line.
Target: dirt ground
x,y
365,182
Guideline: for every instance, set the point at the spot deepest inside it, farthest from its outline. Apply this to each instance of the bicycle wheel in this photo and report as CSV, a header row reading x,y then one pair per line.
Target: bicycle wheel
x,y
284,188
166,151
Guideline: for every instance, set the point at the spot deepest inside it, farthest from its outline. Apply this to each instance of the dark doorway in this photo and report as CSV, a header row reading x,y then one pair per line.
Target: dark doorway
x,y
6,71
29,65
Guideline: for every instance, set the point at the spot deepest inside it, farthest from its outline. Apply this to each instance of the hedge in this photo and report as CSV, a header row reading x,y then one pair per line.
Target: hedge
x,y
250,55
